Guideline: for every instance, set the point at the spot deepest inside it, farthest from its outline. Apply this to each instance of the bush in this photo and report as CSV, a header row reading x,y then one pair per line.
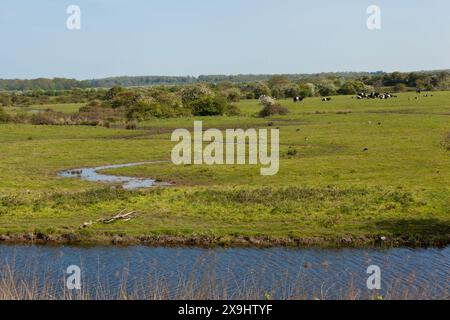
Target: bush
x,y
278,93
233,94
292,90
131,126
125,99
48,118
4,117
271,110
267,101
326,88
347,88
208,106
113,92
97,114
94,103
193,93
306,89
148,109
260,89
232,110
5,100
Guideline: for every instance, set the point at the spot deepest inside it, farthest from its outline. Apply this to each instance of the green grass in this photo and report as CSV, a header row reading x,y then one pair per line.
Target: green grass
x,y
328,189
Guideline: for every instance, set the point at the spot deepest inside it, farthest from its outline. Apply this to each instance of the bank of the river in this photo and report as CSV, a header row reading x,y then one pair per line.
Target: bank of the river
x,y
218,241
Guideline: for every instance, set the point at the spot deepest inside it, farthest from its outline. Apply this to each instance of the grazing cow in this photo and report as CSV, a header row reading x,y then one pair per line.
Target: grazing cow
x,y
362,94
298,99
418,91
326,99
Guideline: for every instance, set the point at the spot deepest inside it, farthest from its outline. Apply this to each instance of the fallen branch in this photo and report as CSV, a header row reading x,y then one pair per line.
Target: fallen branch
x,y
120,216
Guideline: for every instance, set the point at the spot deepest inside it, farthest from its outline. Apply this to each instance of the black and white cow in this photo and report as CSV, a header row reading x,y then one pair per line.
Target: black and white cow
x,y
298,99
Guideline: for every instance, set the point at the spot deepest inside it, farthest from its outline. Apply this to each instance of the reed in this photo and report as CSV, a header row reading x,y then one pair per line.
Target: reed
x,y
200,285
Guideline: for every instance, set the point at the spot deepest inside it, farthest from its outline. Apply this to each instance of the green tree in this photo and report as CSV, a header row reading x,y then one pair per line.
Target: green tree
x,y
278,81
209,106
326,88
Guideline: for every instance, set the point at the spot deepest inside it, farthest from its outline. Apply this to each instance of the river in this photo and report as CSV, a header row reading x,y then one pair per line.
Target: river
x,y
276,273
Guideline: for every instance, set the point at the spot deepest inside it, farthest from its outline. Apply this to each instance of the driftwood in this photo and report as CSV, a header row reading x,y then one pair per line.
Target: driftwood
x,y
124,216
121,216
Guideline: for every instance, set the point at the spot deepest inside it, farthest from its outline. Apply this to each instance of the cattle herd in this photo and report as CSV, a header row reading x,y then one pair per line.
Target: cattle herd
x,y
375,95
364,95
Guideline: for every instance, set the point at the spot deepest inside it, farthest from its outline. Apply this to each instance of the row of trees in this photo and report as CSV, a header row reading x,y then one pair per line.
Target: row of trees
x,y
252,85
141,103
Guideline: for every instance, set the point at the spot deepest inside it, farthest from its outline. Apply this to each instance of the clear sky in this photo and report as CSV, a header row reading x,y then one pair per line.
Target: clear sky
x,y
192,37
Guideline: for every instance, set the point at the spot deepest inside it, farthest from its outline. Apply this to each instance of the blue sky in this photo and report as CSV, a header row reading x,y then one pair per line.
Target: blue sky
x,y
192,37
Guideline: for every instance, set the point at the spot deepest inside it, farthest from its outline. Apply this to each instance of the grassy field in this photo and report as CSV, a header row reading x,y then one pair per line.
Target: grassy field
x,y
328,190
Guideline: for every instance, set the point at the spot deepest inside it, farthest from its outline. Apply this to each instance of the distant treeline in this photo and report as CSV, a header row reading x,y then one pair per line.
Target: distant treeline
x,y
428,80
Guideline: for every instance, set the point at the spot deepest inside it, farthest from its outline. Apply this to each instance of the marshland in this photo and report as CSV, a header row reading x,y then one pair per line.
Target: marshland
x,y
357,178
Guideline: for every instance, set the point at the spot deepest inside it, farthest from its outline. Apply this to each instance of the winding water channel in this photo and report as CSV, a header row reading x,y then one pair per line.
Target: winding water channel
x,y
128,183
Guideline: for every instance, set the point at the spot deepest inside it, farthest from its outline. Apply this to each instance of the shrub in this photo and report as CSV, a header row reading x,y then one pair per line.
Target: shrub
x,y
4,117
113,92
306,89
326,88
270,107
347,88
91,115
233,94
259,89
48,118
267,101
272,110
292,90
148,109
5,99
209,106
131,126
94,103
292,152
232,110
278,92
125,99
193,93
